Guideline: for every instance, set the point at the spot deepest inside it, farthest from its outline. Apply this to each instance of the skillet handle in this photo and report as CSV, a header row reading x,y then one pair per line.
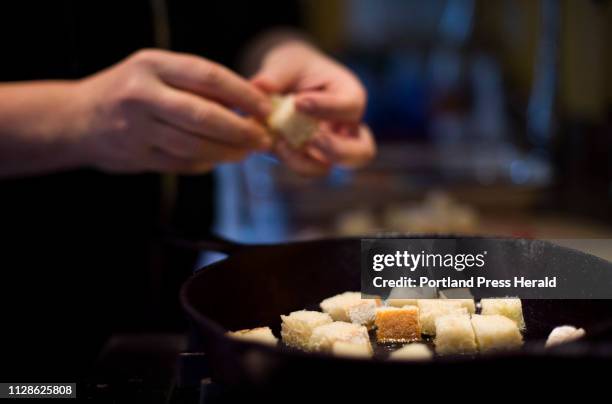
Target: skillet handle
x,y
211,242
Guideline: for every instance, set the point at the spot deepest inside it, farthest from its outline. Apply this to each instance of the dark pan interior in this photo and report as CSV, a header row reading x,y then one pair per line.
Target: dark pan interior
x,y
256,285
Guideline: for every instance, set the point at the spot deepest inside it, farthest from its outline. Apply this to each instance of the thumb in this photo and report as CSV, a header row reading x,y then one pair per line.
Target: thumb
x,y
275,78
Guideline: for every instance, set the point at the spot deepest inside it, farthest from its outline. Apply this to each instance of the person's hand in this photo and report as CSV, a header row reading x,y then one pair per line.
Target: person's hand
x,y
168,112
328,91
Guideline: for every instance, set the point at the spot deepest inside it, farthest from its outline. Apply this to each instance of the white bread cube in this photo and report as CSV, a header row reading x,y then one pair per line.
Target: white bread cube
x,y
564,334
297,327
412,352
469,304
363,312
349,349
296,127
496,333
401,302
395,325
455,335
259,334
508,307
336,306
324,336
430,309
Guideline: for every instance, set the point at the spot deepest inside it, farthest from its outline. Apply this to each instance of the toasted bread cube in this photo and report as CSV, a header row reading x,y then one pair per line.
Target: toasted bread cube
x,y
508,307
324,336
496,332
363,312
564,334
397,325
401,302
455,335
259,334
297,327
412,352
337,305
295,127
349,349
430,309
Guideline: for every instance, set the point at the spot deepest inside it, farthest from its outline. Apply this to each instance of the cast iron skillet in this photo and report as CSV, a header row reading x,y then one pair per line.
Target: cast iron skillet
x,y
257,283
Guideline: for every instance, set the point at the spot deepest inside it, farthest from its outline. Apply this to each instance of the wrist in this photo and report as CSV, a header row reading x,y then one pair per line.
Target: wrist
x,y
78,125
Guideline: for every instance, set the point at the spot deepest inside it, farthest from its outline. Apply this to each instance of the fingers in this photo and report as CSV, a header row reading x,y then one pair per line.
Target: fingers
x,y
276,78
335,106
175,142
284,68
209,120
300,162
209,79
353,147
267,84
185,145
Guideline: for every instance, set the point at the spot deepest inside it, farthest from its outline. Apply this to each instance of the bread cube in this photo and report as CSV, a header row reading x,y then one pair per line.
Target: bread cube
x,y
508,307
295,127
469,304
259,334
349,349
297,327
430,309
454,335
401,302
397,325
324,336
564,334
496,332
412,352
363,312
336,306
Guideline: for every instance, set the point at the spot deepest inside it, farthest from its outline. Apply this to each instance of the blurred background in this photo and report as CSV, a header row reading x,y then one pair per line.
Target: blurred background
x,y
492,117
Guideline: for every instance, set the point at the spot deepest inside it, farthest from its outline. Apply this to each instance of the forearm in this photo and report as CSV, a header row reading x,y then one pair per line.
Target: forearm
x,y
39,127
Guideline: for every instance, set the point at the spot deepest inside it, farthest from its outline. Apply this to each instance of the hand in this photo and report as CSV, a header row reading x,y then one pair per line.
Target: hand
x,y
169,112
328,91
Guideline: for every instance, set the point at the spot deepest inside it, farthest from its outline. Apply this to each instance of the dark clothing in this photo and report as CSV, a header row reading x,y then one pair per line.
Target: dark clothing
x,y
81,250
